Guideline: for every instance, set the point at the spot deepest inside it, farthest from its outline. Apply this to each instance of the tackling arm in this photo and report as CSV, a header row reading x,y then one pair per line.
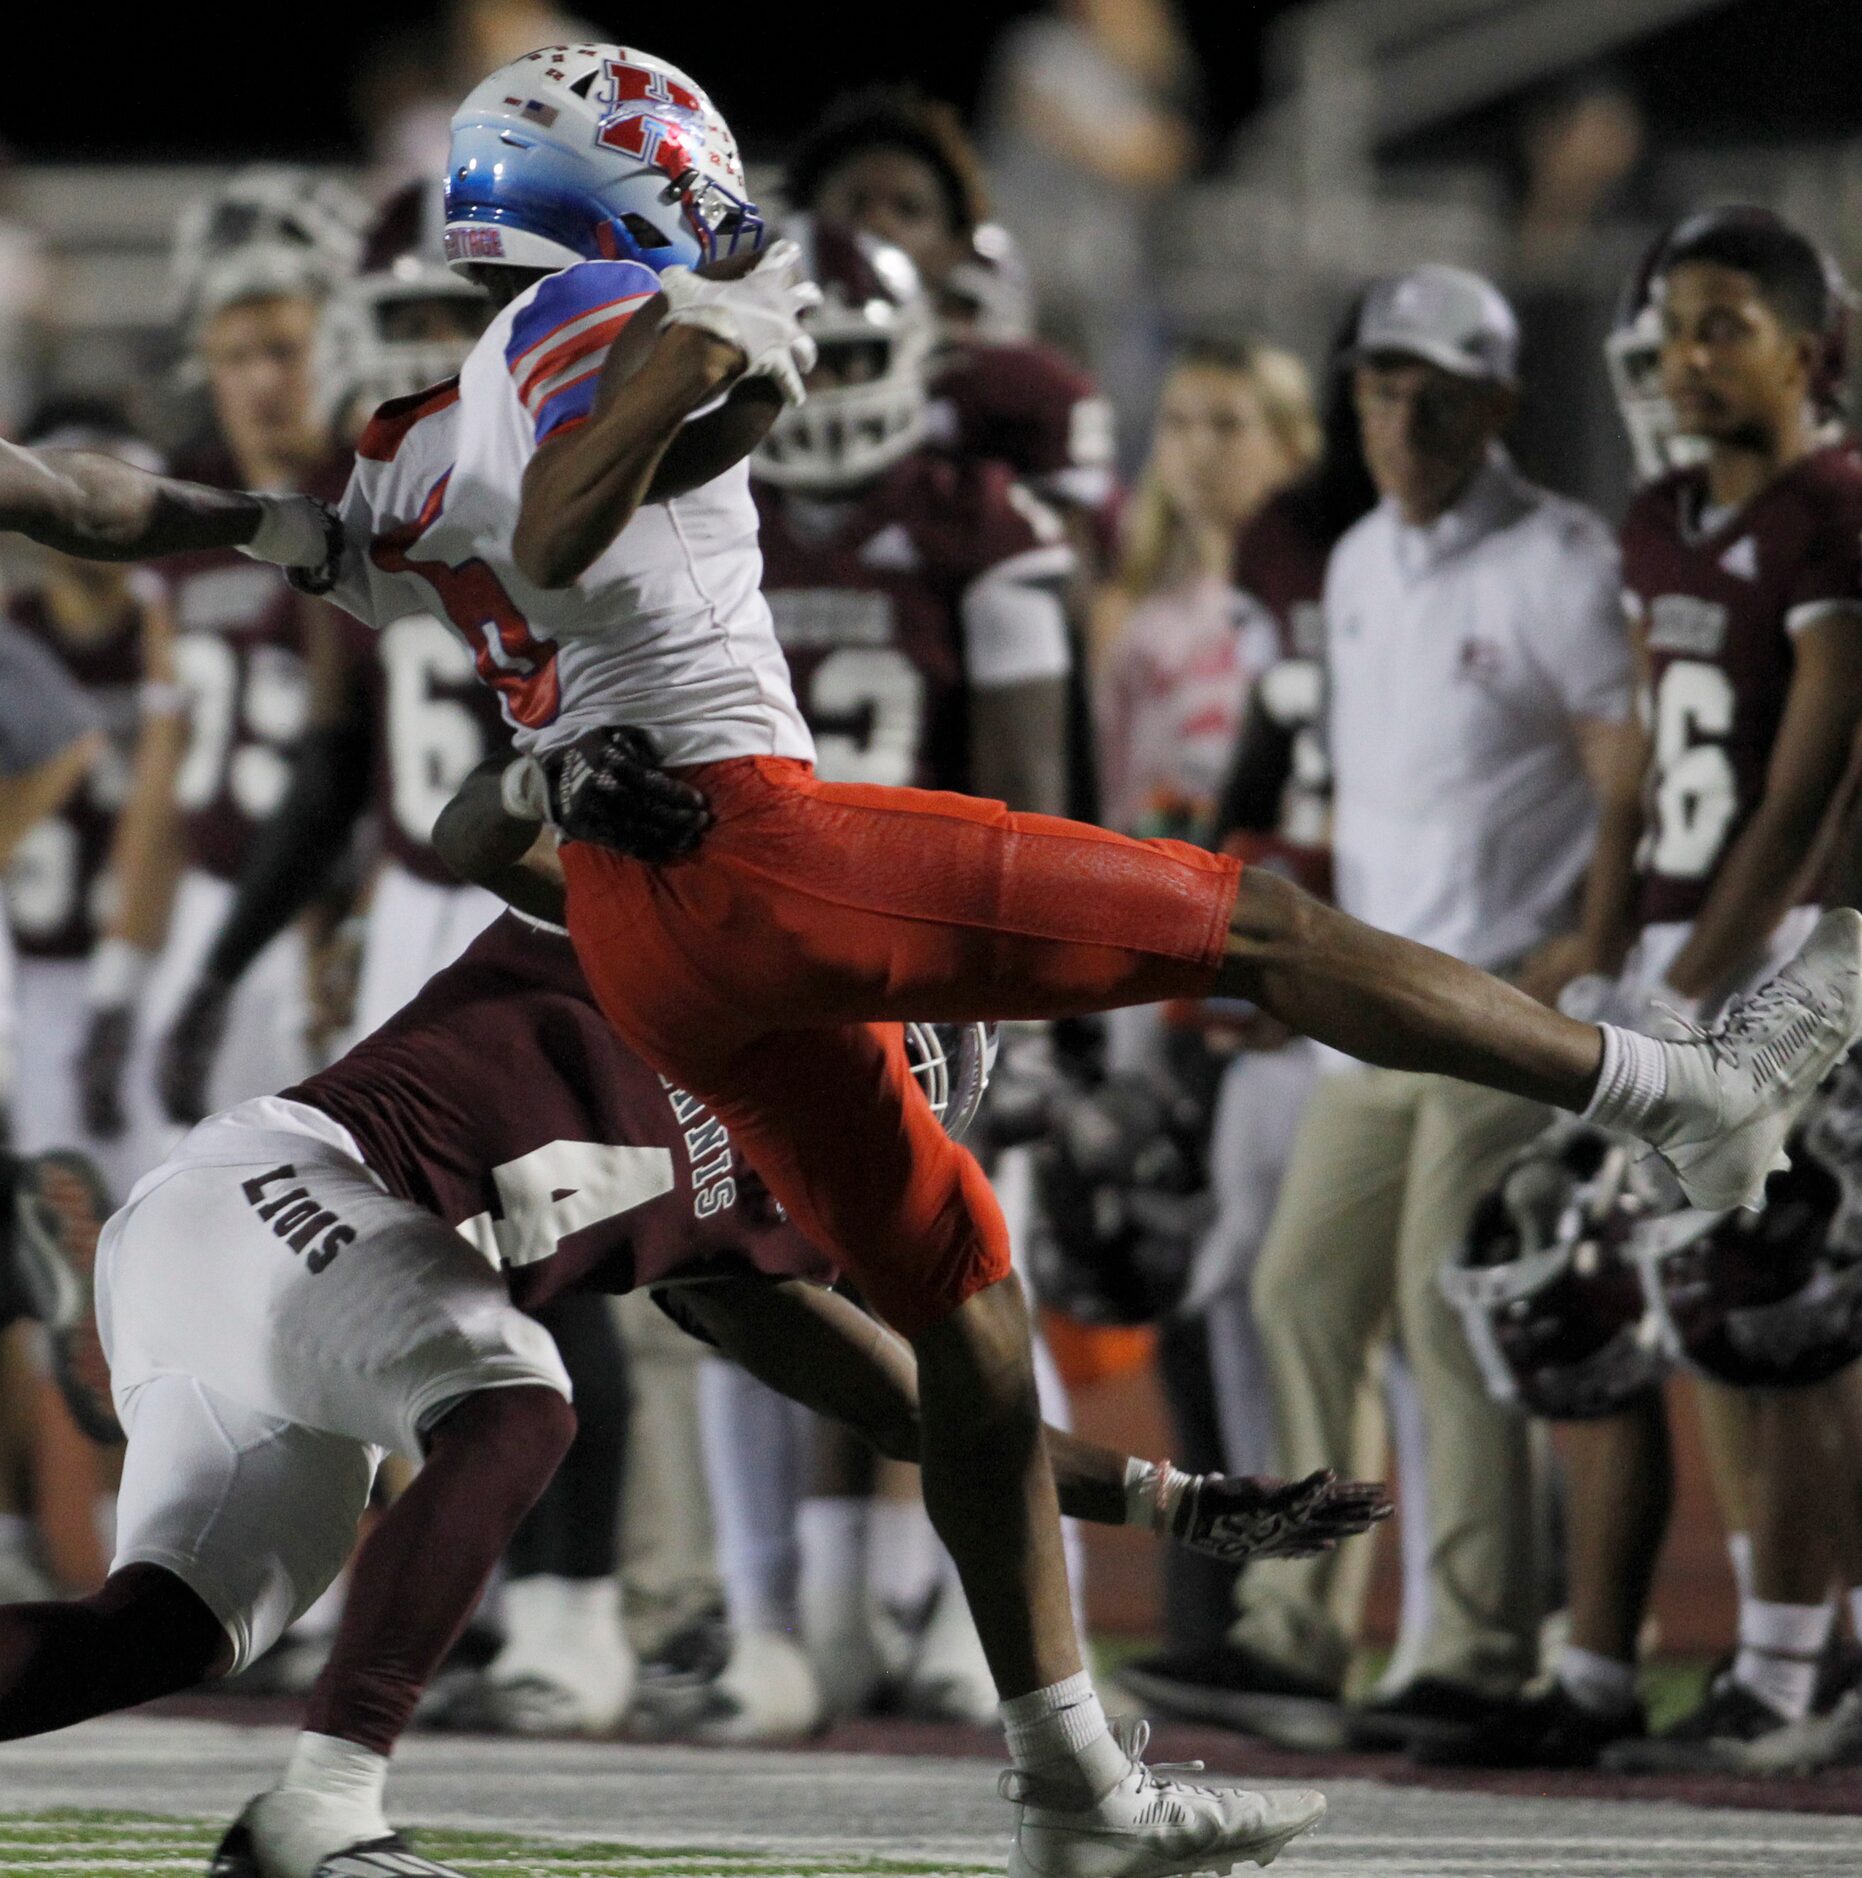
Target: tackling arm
x,y
89,505
821,1350
514,856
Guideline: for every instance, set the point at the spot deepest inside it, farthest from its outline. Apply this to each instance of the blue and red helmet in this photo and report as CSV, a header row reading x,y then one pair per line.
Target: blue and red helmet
x,y
587,153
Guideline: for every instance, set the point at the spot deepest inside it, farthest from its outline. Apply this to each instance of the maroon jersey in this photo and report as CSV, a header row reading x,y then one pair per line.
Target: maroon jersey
x,y
1718,604
57,879
502,1100
868,601
1282,779
239,658
432,720
1024,404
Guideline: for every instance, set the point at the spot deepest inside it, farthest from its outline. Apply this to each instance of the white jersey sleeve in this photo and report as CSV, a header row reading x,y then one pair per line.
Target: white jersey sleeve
x,y
667,630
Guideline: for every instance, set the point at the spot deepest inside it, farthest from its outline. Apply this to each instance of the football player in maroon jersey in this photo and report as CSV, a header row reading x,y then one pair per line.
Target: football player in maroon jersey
x,y
375,1240
253,264
917,596
88,890
1743,578
892,162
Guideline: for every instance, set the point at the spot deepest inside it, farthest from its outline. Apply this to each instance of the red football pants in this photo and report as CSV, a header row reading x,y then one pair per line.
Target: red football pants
x,y
769,975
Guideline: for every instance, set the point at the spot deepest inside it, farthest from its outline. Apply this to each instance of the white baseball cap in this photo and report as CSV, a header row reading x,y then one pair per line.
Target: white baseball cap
x,y
1444,315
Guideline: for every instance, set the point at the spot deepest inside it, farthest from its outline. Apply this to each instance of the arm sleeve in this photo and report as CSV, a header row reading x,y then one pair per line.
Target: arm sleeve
x,y
1258,774
292,854
43,709
559,340
1015,619
1586,646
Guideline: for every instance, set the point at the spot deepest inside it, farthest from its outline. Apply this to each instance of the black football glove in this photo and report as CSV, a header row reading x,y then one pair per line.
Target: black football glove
x,y
608,788
184,1066
103,1056
1241,1517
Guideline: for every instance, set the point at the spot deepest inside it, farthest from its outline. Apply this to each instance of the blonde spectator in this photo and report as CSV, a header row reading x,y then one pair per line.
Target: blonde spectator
x,y
1177,645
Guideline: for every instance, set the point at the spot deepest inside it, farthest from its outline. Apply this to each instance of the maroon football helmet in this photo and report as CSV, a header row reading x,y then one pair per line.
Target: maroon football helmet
x,y
1773,1299
868,399
1551,1302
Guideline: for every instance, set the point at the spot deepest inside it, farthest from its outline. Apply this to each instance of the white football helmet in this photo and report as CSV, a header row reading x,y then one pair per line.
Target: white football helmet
x,y
268,231
952,1063
379,338
584,153
874,315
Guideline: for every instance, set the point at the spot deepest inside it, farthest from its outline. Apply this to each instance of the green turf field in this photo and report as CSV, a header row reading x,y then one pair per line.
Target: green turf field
x,y
67,1840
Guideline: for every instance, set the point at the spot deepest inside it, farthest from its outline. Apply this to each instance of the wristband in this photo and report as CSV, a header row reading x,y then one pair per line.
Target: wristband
x,y
118,970
524,790
1153,1492
293,531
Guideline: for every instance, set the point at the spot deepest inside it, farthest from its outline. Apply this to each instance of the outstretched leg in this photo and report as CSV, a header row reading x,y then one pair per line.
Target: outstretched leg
x,y
143,1635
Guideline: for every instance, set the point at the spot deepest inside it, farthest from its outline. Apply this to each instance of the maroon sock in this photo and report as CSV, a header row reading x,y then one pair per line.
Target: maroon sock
x,y
419,1578
145,1634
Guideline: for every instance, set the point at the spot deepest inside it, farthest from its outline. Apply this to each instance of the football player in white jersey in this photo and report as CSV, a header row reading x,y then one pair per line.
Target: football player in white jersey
x,y
579,508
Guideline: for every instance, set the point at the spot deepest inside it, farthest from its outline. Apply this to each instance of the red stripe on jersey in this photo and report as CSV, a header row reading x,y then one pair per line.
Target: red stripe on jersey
x,y
594,338
388,428
520,366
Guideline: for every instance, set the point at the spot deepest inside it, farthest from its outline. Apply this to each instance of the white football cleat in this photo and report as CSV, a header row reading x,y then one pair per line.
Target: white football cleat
x,y
1735,1091
1152,1827
287,1833
766,1692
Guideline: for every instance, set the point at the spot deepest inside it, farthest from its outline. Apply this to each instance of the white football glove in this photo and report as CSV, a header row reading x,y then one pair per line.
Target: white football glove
x,y
760,314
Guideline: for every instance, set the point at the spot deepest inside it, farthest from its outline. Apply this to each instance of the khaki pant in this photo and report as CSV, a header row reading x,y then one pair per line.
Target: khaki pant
x,y
1384,1175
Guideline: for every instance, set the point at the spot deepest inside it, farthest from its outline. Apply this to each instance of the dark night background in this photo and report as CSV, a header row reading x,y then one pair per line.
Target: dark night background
x,y
170,82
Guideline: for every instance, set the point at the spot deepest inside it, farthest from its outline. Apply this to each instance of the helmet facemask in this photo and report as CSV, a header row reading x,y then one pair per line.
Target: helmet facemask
x,y
868,399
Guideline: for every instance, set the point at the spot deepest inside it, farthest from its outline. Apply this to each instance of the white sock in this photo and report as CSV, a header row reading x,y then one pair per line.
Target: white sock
x,y
1633,1079
833,1534
1739,1554
338,1770
903,1554
1596,1682
754,1466
1780,1651
1061,1732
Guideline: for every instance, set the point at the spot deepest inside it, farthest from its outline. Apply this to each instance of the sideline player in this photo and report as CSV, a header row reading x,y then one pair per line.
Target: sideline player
x,y
568,506
375,1241
1743,577
253,264
87,892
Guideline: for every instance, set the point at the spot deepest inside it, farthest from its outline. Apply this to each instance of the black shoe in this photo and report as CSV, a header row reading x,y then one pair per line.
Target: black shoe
x,y
1712,1738
1550,1729
1429,1708
1240,1688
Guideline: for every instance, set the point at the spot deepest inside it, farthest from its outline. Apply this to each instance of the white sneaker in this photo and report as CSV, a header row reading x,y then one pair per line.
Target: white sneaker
x,y
1735,1091
766,1692
566,1667
1151,1827
287,1833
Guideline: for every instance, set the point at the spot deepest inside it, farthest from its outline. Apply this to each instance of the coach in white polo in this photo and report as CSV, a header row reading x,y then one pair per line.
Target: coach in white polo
x,y
1479,681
